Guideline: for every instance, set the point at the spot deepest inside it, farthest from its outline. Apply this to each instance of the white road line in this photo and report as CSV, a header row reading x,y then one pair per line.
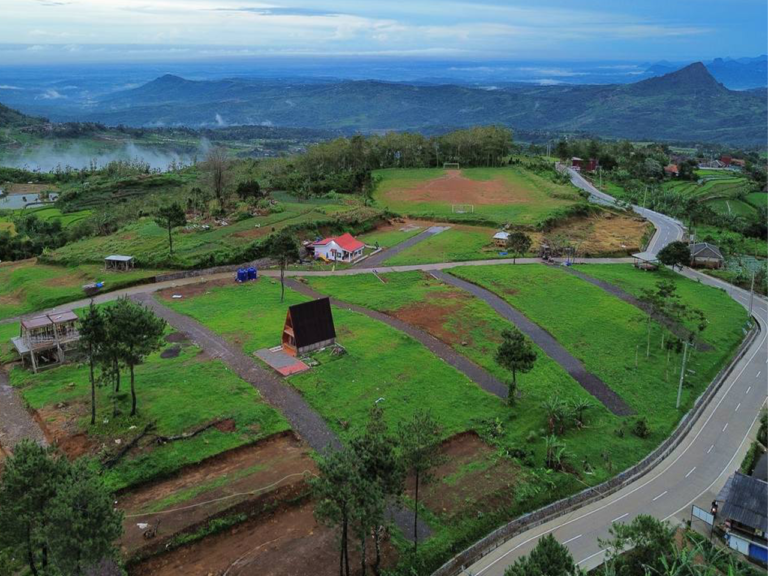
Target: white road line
x,y
644,484
726,426
572,539
588,558
690,471
748,389
660,495
737,407
758,374
620,517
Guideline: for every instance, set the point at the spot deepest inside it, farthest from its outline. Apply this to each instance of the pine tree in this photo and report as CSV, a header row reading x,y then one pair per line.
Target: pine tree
x,y
170,217
93,335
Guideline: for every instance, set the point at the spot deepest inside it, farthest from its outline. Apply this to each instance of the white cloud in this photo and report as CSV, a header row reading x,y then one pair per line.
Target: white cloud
x,y
8,87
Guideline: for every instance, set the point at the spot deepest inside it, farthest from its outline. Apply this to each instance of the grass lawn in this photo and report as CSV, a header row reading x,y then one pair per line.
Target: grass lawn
x,y
178,394
500,195
732,206
8,331
758,199
605,333
389,238
27,286
457,244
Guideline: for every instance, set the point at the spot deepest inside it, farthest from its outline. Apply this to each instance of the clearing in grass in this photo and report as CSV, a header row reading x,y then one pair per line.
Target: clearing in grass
x,y
499,195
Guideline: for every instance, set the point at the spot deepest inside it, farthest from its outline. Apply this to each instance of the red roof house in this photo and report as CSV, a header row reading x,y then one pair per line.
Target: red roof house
x,y
672,170
344,248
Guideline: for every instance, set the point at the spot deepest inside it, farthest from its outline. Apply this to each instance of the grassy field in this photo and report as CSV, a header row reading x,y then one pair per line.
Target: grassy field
x,y
500,195
605,333
459,243
178,394
27,286
387,238
7,331
732,206
196,247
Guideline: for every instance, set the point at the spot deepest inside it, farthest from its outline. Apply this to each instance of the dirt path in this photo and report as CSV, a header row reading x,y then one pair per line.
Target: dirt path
x,y
15,422
547,343
387,253
671,325
302,417
443,351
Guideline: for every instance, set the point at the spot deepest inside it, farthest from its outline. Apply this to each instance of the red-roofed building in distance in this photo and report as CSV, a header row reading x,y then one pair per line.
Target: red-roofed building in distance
x,y
344,248
672,170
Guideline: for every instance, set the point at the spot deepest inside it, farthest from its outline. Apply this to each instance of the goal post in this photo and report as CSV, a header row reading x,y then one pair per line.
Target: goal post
x,y
450,165
463,208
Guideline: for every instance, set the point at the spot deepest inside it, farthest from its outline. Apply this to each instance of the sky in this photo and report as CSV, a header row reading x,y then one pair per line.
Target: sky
x,y
79,31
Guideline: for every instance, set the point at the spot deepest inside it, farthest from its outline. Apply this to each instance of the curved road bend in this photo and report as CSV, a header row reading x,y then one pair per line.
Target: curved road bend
x,y
693,472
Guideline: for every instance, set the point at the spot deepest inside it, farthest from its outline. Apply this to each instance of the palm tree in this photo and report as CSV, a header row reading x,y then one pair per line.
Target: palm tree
x,y
579,408
555,452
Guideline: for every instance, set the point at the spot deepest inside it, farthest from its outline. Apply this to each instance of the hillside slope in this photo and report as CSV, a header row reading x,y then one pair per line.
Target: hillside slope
x,y
688,104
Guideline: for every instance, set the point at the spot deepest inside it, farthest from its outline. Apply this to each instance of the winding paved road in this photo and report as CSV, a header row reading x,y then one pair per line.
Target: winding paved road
x,y
693,472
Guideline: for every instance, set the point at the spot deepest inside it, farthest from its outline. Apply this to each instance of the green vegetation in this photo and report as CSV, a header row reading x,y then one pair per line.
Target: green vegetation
x,y
499,195
457,244
7,351
607,334
389,238
178,395
28,287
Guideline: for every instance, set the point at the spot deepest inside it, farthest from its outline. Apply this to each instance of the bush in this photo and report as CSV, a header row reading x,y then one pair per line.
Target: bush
x,y
641,428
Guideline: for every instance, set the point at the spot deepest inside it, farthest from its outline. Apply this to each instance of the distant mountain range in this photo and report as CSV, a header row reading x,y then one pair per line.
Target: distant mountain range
x,y
737,74
688,104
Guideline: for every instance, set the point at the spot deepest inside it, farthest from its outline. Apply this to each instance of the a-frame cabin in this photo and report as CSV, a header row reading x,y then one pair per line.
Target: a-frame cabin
x,y
308,326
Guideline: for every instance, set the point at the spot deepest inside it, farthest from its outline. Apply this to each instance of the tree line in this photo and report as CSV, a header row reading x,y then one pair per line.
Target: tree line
x,y
344,165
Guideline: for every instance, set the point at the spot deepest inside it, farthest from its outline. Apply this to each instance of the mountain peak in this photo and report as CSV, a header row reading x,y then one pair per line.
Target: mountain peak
x,y
692,78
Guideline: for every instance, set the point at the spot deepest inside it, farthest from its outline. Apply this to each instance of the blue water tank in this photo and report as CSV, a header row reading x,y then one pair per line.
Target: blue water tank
x,y
252,273
242,275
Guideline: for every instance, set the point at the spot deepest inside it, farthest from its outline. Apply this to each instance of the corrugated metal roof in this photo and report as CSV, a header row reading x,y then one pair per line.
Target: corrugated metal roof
x,y
746,501
119,258
700,247
36,322
646,256
62,317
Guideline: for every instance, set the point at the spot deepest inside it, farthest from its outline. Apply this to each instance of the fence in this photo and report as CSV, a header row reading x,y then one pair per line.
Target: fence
x,y
501,535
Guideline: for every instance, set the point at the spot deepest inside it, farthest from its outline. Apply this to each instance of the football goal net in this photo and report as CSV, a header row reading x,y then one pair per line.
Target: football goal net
x,y
463,208
450,165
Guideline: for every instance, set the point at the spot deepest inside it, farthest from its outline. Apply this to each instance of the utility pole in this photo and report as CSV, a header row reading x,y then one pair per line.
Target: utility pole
x,y
682,375
751,295
645,196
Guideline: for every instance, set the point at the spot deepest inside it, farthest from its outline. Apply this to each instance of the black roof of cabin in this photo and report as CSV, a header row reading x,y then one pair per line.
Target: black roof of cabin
x,y
312,322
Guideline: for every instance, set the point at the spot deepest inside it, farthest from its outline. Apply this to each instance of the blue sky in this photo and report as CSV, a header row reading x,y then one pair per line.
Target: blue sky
x,y
50,31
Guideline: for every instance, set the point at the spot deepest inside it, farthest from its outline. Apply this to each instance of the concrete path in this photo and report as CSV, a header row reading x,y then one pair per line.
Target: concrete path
x,y
16,423
547,343
443,351
388,253
302,417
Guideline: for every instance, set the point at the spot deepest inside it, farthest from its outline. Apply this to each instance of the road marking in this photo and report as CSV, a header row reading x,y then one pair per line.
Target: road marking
x,y
572,539
660,495
619,518
690,472
737,407
758,374
726,426
748,389
588,558
644,484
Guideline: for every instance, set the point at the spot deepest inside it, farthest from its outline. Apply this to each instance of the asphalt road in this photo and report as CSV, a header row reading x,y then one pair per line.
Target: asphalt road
x,y
693,472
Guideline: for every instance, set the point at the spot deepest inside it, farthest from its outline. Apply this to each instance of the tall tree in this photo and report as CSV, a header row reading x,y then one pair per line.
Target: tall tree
x,y
217,168
381,467
335,489
82,522
284,248
93,334
640,547
249,190
420,444
141,334
170,217
548,558
29,482
675,254
518,243
516,354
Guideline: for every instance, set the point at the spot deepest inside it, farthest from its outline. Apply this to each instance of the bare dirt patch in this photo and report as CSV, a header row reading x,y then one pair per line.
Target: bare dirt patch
x,y
253,233
192,290
434,316
177,338
470,478
59,424
605,233
170,352
19,189
455,188
286,542
259,473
